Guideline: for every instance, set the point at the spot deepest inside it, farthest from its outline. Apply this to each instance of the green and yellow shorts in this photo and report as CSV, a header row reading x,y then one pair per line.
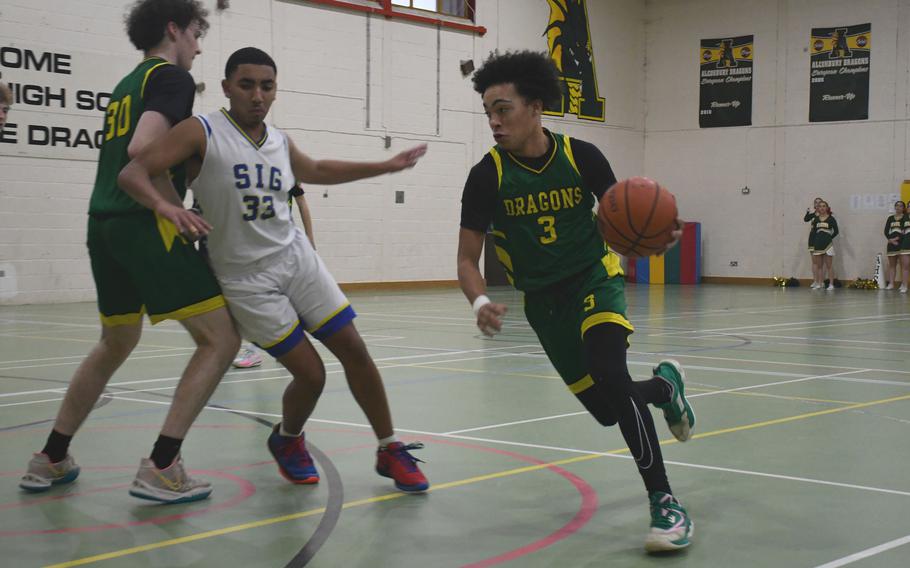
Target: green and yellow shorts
x,y
141,264
562,313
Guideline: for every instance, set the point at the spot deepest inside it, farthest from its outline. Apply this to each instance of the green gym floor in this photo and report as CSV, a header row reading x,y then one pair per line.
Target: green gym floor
x,y
800,459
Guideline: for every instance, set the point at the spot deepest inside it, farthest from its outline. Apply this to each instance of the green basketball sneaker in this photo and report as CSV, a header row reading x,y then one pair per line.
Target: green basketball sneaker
x,y
671,527
677,411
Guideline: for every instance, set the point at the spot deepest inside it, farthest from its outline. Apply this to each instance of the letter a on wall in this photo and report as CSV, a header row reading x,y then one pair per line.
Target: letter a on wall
x,y
569,42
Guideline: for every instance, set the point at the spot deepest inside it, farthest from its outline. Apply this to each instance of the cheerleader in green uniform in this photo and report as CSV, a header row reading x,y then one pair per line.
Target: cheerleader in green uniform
x,y
811,216
897,232
823,250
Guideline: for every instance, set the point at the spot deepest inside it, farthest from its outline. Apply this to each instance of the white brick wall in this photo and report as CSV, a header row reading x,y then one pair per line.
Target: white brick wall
x,y
785,160
324,103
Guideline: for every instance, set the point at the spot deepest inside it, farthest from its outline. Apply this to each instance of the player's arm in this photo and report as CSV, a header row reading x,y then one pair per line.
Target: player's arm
x,y
168,98
477,206
181,143
330,172
833,222
304,209
599,177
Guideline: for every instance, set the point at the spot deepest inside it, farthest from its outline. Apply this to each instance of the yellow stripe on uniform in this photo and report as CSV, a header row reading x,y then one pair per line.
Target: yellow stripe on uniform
x,y
504,258
499,234
605,317
122,319
581,384
326,320
283,337
196,309
567,146
147,75
497,159
259,144
612,264
168,232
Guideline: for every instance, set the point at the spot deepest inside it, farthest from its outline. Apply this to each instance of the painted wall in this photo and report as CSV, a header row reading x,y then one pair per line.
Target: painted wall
x,y
785,161
346,81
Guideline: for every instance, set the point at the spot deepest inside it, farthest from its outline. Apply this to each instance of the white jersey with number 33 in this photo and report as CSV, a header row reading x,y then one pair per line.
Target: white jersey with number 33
x,y
243,188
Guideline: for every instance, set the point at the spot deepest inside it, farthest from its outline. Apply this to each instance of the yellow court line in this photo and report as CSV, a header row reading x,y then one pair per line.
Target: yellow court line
x,y
141,344
780,396
459,483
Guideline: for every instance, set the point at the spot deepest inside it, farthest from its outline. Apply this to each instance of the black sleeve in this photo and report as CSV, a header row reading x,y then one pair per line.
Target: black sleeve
x,y
888,227
170,90
833,222
478,201
594,167
808,216
296,191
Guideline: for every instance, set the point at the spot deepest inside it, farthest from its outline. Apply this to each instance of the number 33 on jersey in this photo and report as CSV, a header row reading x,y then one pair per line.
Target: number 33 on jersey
x,y
247,202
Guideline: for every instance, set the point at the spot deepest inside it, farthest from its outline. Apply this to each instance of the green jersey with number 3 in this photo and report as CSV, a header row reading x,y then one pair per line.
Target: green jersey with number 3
x,y
544,226
120,119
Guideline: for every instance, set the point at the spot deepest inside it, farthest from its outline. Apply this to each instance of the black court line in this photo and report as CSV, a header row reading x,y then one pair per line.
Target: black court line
x,y
330,517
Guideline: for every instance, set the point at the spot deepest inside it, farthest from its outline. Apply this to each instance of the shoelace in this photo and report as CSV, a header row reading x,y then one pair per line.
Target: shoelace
x,y
404,457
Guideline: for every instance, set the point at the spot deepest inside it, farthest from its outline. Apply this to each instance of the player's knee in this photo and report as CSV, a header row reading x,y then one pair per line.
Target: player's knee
x,y
311,376
597,405
120,340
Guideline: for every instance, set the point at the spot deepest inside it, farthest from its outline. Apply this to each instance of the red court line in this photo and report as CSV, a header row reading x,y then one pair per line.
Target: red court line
x,y
585,511
247,489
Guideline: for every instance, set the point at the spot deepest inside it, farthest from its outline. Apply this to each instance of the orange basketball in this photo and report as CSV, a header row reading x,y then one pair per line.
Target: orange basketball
x,y
636,217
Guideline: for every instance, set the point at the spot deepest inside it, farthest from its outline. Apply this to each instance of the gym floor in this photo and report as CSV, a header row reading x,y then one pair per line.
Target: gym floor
x,y
799,457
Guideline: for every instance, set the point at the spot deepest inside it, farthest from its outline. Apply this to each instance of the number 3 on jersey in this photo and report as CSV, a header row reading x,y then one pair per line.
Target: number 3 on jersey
x,y
548,222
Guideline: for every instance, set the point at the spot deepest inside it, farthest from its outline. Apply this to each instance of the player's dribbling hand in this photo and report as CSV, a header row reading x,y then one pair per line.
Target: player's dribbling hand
x,y
407,159
676,235
489,318
188,223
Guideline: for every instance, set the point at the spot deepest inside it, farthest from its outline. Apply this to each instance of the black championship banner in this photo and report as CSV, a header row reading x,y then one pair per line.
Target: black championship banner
x,y
839,80
725,97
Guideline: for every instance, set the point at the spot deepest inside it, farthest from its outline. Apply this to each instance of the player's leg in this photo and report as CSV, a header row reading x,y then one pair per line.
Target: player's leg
x,y
120,309
905,271
892,271
329,317
829,269
176,283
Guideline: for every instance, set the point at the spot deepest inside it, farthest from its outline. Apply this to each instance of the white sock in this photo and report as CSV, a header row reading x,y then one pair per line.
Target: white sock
x,y
286,434
384,442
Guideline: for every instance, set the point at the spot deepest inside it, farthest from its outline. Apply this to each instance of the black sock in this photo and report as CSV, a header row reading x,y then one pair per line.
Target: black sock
x,y
165,451
637,427
653,391
57,445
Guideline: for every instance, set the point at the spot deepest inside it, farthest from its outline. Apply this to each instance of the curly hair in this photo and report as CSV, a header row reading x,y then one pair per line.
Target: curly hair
x,y
147,19
6,95
533,73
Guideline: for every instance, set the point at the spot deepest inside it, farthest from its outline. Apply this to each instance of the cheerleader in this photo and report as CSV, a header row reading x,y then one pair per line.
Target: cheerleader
x,y
811,216
897,233
823,246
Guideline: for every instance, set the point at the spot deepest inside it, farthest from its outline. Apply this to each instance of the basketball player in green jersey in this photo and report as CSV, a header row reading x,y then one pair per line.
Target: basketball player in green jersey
x,y
537,189
141,262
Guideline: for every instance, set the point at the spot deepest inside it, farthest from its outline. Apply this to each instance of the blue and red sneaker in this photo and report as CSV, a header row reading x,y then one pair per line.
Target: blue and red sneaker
x,y
294,461
396,462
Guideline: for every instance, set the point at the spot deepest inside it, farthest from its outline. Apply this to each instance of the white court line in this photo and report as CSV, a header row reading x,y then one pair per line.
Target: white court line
x,y
783,363
266,370
572,450
284,375
724,391
80,357
868,319
866,553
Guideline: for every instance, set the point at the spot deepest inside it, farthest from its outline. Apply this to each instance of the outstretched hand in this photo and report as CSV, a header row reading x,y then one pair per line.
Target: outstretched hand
x,y
407,159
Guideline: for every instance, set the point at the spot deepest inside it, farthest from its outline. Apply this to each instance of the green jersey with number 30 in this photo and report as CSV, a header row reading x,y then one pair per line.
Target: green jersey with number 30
x,y
544,226
120,119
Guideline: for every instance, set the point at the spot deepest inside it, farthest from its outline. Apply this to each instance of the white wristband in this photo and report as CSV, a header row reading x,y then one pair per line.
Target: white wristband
x,y
480,302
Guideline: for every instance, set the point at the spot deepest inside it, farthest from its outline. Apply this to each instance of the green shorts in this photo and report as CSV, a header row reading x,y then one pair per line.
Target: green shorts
x,y
140,263
562,313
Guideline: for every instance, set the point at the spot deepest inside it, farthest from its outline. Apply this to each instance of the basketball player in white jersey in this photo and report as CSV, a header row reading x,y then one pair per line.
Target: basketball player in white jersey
x,y
241,171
